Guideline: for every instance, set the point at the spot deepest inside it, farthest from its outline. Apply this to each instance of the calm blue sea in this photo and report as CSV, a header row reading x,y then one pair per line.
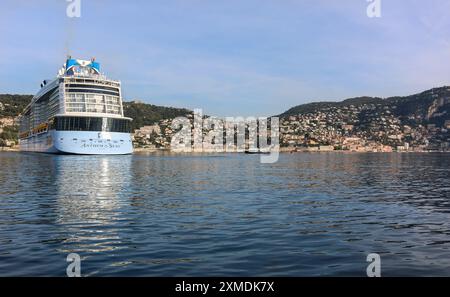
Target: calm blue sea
x,y
225,214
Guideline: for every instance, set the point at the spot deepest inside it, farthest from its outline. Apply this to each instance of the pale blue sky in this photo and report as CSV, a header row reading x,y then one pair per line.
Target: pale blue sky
x,y
232,57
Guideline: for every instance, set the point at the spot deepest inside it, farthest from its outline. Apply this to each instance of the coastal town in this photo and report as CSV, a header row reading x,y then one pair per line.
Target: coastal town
x,y
343,129
418,123
332,130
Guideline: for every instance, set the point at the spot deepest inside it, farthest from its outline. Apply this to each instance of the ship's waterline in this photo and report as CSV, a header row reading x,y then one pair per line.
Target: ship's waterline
x,y
75,142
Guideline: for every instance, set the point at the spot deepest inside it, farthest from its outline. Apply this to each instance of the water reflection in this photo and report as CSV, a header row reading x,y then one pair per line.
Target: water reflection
x,y
165,215
90,194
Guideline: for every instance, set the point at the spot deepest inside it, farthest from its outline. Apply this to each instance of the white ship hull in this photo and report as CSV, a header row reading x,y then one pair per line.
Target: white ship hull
x,y
78,142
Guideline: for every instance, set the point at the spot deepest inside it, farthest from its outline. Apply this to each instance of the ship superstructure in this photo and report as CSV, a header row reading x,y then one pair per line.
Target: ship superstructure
x,y
78,112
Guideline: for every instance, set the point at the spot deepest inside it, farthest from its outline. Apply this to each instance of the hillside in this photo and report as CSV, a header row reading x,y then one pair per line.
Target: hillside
x,y
141,113
431,106
317,106
12,105
419,122
147,114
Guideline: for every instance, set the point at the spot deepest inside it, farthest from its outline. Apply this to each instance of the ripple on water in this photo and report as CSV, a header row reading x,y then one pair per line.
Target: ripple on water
x,y
226,214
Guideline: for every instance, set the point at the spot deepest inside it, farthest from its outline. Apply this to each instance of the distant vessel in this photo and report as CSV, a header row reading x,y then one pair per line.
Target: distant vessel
x,y
78,112
254,151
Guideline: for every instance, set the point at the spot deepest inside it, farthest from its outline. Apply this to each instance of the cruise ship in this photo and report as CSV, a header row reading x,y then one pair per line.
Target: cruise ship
x,y
78,112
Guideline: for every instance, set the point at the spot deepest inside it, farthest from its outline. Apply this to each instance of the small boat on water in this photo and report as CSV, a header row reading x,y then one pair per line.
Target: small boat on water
x,y
257,151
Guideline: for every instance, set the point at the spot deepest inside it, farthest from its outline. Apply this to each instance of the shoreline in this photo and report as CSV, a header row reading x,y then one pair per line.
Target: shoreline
x,y
9,149
153,150
282,151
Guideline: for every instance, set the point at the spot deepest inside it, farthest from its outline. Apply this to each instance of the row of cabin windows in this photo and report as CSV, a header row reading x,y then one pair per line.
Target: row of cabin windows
x,y
91,124
93,103
87,81
81,90
92,87
91,98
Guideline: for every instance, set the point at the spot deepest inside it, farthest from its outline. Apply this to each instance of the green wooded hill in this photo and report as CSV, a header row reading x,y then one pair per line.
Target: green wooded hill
x,y
12,105
147,114
141,113
431,106
321,105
